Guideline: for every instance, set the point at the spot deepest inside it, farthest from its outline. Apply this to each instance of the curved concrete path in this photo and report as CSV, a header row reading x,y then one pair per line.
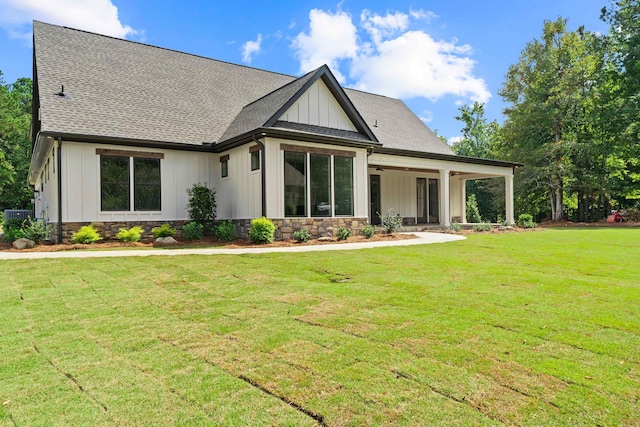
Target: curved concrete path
x,y
423,239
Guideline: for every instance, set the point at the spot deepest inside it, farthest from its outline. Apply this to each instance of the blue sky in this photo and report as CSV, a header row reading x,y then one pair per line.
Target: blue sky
x,y
435,55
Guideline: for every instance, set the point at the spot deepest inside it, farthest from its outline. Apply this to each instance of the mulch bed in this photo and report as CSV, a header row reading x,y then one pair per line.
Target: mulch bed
x,y
204,242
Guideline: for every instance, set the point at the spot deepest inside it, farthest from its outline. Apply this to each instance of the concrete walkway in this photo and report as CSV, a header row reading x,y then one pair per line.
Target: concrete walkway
x,y
423,239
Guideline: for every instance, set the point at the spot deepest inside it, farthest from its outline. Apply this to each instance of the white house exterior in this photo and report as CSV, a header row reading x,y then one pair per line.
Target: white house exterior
x,y
123,129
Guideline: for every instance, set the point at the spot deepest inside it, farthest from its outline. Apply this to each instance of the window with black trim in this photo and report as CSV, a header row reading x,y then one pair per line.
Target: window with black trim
x,y
120,174
318,184
224,166
255,160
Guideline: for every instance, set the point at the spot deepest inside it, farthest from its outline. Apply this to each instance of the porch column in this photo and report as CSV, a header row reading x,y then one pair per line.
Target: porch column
x,y
445,215
508,198
463,200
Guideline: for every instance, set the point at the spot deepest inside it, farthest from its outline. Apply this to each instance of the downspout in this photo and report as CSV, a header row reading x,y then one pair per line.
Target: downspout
x,y
59,190
263,174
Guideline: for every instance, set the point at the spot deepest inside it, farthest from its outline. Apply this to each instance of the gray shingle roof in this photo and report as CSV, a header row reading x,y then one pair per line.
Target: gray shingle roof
x,y
118,88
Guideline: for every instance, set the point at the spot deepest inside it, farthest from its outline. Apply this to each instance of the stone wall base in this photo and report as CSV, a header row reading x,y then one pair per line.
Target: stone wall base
x,y
108,230
318,227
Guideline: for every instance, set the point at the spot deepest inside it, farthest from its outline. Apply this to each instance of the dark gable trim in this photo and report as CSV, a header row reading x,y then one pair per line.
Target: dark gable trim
x,y
99,139
447,157
339,94
127,153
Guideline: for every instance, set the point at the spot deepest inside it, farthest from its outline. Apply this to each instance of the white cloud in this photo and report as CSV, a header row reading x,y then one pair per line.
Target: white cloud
x,y
98,16
390,55
250,48
331,37
427,116
455,139
427,15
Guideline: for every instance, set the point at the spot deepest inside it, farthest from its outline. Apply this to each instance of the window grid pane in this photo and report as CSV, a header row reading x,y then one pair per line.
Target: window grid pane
x,y
114,183
146,176
224,167
320,183
295,184
343,183
255,160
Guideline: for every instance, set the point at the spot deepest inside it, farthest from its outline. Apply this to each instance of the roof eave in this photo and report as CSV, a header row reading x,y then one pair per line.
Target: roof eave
x,y
448,157
293,135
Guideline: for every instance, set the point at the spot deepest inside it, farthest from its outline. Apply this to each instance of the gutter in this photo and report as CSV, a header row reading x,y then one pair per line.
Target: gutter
x,y
59,161
447,157
263,173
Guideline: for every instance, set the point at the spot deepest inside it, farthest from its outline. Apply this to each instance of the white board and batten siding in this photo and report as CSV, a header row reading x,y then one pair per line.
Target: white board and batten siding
x,y
179,170
239,195
317,106
46,198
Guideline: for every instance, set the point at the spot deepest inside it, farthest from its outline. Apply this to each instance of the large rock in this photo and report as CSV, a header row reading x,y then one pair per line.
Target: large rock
x,y
23,243
165,241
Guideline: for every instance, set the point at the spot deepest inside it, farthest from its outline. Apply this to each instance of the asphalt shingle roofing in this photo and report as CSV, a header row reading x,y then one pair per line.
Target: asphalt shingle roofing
x,y
123,89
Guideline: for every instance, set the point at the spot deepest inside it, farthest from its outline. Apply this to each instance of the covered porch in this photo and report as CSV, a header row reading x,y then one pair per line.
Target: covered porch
x,y
430,191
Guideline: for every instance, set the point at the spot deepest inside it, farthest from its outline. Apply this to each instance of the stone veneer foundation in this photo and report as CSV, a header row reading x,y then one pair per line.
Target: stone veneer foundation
x,y
318,227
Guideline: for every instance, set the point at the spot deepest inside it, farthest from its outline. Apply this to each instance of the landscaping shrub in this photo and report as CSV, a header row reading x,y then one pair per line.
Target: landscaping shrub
x,y
343,233
86,234
226,231
390,221
131,235
473,213
302,235
482,226
12,229
35,230
165,230
368,231
526,221
202,204
193,231
262,230
455,227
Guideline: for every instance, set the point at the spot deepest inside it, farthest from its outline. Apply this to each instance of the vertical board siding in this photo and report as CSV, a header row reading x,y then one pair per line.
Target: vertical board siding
x,y
239,196
318,107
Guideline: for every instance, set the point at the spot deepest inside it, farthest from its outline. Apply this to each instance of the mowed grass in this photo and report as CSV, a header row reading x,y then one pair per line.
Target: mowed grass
x,y
539,328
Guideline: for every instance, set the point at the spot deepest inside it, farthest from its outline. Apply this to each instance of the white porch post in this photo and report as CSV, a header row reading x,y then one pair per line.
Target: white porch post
x,y
463,200
508,197
445,216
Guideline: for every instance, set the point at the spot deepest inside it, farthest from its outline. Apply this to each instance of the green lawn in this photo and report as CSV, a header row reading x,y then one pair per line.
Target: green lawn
x,y
538,328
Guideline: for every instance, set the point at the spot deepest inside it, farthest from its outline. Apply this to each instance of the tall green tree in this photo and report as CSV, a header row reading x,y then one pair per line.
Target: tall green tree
x,y
481,138
15,144
546,92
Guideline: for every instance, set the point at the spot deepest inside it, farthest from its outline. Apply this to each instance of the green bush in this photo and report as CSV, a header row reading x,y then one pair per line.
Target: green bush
x,y
86,234
12,229
482,226
368,231
193,231
473,213
35,230
202,204
455,227
302,235
226,231
262,230
131,235
390,222
343,233
524,218
165,230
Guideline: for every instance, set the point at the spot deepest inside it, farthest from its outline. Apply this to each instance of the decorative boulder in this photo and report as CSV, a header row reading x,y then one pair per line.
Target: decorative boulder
x,y
326,239
23,243
165,241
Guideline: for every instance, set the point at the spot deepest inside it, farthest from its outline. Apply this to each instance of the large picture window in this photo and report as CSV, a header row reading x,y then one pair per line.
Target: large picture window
x,y
317,184
122,177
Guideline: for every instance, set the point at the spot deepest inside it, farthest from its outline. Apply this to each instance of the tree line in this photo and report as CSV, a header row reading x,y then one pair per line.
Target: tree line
x,y
573,119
